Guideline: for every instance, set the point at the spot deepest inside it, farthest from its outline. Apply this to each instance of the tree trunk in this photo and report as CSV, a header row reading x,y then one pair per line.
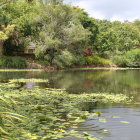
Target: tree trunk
x,y
1,48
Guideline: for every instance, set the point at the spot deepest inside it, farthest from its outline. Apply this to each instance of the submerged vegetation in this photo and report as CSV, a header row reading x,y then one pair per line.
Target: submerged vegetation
x,y
47,113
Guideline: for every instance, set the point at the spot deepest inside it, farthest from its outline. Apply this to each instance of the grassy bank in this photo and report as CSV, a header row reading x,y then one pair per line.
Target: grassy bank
x,y
130,61
46,114
13,62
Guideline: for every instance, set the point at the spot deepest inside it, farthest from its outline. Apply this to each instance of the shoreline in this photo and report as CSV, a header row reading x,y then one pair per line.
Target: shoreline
x,y
103,68
74,68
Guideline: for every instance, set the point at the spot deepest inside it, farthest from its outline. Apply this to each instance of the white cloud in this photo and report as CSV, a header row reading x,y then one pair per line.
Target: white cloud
x,y
88,6
111,9
97,14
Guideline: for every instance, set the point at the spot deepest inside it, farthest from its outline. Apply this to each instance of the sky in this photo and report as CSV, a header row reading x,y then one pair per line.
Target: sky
x,y
111,9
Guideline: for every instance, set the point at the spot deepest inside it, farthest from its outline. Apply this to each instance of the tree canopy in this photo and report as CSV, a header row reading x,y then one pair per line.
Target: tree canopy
x,y
55,27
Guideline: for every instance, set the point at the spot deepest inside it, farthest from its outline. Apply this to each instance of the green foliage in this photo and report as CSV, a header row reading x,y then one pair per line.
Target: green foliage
x,y
6,31
120,60
12,62
60,31
114,37
79,60
106,41
3,36
95,60
65,59
54,26
90,24
7,118
128,36
129,59
133,58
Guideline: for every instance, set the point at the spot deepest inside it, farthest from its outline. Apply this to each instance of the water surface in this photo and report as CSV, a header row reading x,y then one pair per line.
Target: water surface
x,y
96,81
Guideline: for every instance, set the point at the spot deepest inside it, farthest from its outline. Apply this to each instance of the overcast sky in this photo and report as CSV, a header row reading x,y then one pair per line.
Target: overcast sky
x,y
111,9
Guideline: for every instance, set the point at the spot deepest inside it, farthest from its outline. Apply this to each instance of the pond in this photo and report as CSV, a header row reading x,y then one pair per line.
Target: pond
x,y
117,122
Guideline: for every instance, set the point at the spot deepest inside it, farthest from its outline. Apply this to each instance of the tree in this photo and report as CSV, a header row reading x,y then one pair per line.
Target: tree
x,y
90,24
61,30
55,2
4,33
116,37
106,42
22,14
127,34
136,23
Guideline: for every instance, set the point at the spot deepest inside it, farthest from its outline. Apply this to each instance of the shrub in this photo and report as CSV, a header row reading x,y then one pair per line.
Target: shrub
x,y
79,60
129,59
133,58
12,62
65,59
95,60
43,62
120,61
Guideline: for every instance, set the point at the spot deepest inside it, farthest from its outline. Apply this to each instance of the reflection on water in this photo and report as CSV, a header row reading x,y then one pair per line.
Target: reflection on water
x,y
113,129
30,85
120,81
110,81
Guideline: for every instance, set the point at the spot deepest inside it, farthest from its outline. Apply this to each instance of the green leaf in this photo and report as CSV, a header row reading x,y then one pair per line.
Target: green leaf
x,y
3,131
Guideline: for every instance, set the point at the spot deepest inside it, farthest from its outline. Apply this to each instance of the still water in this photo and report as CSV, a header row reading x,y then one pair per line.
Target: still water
x,y
126,123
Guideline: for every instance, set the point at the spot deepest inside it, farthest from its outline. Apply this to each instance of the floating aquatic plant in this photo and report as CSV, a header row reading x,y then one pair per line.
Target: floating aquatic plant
x,y
51,112
20,70
29,80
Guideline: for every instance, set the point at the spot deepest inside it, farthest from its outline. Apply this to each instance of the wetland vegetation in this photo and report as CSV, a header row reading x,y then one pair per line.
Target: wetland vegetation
x,y
41,105
47,113
51,35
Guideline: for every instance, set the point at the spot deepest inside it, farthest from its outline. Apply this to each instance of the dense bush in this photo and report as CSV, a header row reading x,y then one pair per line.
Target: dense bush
x,y
129,59
120,60
95,60
12,62
79,60
133,58
65,59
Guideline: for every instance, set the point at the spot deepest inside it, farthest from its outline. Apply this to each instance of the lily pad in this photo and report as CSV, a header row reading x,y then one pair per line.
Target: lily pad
x,y
102,120
124,122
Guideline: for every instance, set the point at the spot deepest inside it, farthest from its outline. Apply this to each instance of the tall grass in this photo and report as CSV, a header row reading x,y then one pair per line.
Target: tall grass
x,y
12,62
